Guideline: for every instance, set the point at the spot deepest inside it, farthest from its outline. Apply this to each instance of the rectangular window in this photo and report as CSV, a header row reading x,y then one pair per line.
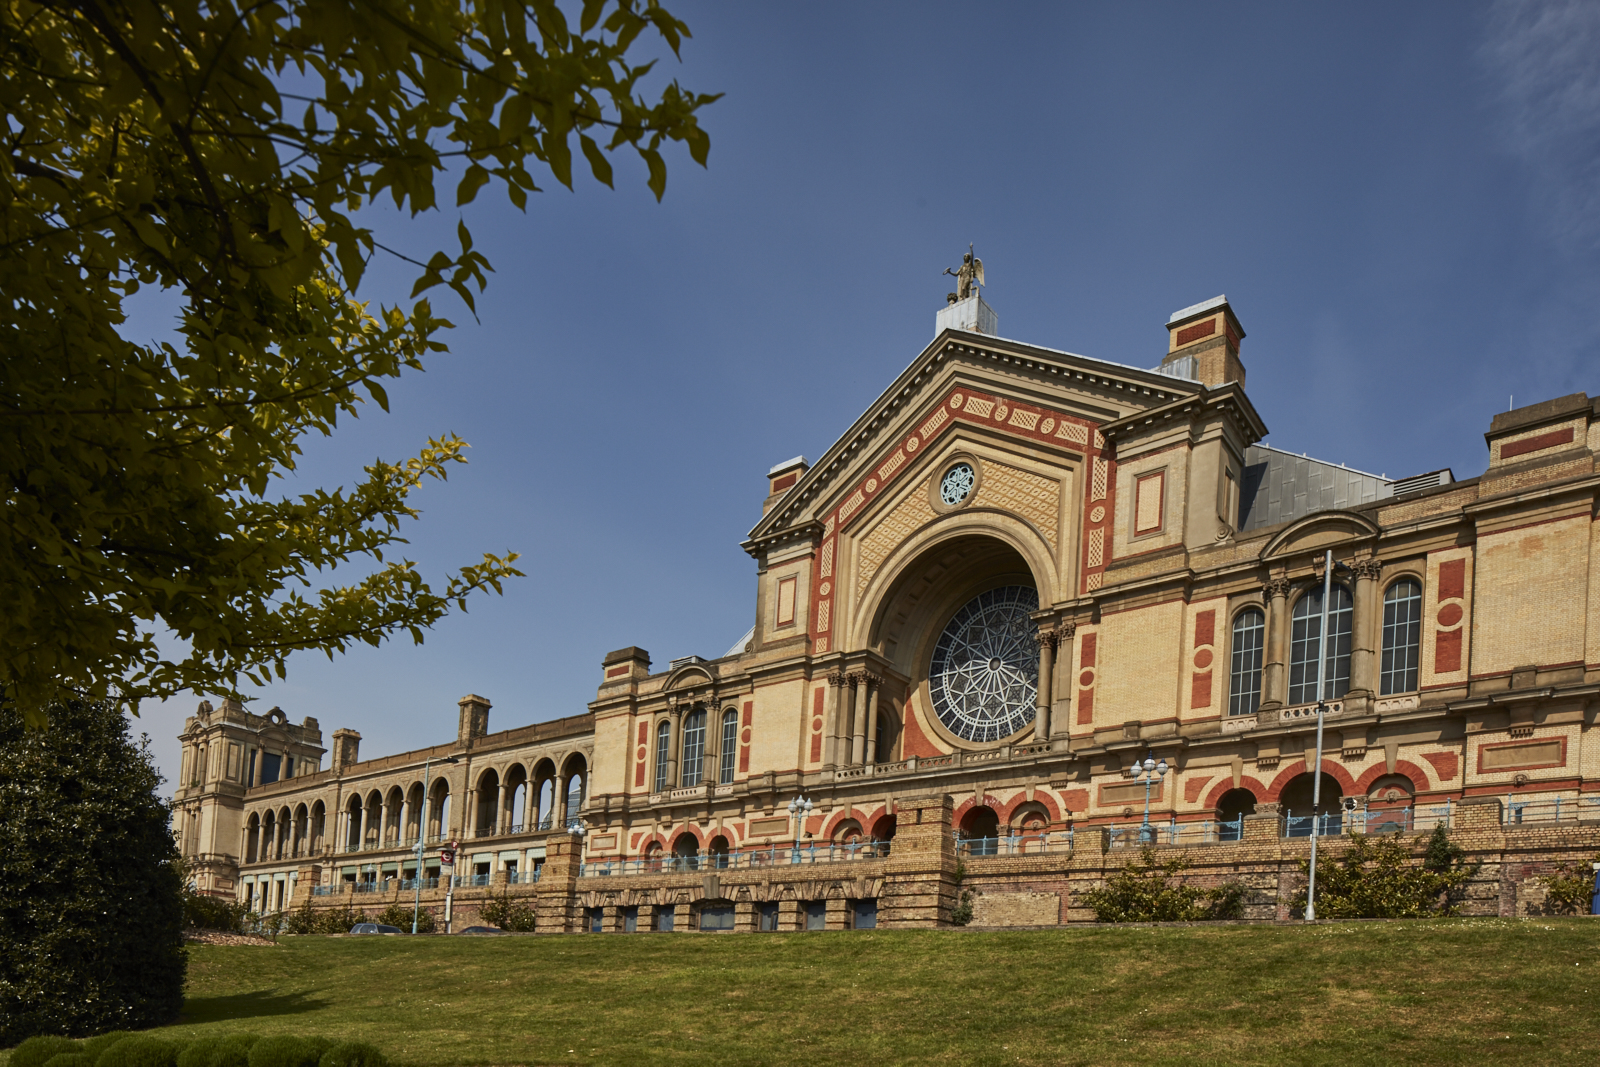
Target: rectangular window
x,y
250,773
630,920
1149,495
786,589
864,914
769,917
694,748
1305,631
1244,680
663,751
719,917
597,919
665,919
1402,637
730,746
288,766
270,764
816,915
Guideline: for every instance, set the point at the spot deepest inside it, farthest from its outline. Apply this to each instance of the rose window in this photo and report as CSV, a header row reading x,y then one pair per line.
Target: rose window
x,y
956,484
984,677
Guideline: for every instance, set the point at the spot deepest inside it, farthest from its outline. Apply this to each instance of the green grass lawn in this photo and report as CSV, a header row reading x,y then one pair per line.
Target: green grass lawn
x,y
1415,993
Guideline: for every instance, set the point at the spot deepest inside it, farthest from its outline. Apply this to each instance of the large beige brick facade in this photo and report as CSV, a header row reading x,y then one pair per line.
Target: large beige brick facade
x,y
1017,575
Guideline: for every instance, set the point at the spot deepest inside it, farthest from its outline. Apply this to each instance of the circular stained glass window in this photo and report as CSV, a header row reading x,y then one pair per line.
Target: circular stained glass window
x,y
985,671
957,483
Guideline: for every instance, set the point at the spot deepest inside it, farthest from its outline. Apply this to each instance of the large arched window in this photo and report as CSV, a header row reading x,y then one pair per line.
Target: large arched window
x,y
1244,679
694,747
730,746
1402,637
1307,620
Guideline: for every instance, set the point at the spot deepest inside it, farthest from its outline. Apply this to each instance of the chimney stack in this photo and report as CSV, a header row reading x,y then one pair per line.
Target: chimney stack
x,y
781,479
474,718
346,749
1203,343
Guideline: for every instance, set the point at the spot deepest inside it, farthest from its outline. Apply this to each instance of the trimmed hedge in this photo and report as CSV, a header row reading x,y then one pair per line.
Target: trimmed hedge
x,y
70,1059
354,1054
94,1046
139,1050
38,1051
286,1051
119,1049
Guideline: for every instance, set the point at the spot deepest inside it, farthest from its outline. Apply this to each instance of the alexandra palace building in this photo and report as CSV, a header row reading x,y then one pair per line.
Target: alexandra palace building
x,y
1032,611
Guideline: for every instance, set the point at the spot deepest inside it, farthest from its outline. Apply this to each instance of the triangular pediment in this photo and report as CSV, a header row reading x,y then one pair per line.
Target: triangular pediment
x,y
1004,388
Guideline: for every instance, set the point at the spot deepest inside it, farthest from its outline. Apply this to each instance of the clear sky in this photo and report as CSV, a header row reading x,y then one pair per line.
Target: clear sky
x,y
1400,200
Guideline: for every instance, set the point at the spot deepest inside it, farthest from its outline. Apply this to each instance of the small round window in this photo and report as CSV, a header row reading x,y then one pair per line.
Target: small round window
x,y
957,483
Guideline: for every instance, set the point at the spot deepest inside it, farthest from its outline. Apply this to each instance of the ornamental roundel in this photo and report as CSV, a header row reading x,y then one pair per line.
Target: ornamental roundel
x,y
957,483
984,676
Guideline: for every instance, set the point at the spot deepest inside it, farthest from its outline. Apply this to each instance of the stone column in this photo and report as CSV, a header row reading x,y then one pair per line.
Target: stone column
x,y
1275,671
858,740
1047,662
405,819
1365,628
500,810
675,712
872,725
560,800
830,722
1061,683
366,819
713,745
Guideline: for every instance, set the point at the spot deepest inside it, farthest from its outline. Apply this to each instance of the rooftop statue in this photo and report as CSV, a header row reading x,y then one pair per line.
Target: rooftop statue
x,y
967,276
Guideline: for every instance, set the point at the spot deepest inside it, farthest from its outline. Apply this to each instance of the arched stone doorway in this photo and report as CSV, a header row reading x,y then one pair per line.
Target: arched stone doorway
x,y
980,831
1232,807
1295,802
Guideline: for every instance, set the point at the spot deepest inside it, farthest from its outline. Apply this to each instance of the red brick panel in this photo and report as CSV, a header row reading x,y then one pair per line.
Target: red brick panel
x,y
1192,788
1534,444
1453,579
1447,651
1198,330
816,730
1445,764
1205,625
744,738
1200,690
643,754
1086,659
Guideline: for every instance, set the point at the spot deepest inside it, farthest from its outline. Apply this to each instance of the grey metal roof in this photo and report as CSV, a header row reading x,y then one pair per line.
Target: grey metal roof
x,y
1281,487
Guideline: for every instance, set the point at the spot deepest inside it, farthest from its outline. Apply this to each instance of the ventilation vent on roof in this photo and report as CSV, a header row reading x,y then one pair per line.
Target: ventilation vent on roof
x,y
1185,367
683,661
1418,482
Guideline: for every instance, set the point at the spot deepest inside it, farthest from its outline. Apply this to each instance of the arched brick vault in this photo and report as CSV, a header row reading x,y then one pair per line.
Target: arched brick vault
x,y
689,830
1214,797
1294,770
1419,778
860,815
1039,797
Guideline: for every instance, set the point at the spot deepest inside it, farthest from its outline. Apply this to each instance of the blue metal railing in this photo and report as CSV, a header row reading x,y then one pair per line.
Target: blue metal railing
x,y
1172,832
1015,844
1549,810
743,859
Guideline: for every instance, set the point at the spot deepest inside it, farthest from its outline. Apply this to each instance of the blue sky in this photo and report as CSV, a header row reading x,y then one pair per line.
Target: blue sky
x,y
1400,200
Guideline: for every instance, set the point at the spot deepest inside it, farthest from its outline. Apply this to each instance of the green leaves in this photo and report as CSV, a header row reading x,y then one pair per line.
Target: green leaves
x,y
222,152
1375,878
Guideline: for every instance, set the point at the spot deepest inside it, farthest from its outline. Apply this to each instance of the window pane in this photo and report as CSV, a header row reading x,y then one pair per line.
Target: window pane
x,y
663,751
730,746
1244,684
1402,637
1306,622
694,747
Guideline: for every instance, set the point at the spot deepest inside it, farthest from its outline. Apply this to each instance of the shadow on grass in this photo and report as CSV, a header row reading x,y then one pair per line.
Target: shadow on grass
x,y
247,1006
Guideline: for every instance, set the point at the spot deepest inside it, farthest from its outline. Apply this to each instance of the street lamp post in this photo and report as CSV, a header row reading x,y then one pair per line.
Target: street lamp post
x,y
422,838
1150,772
1322,709
799,808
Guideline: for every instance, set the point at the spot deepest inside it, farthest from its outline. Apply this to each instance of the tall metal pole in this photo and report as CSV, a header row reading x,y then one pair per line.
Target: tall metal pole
x,y
422,838
1316,780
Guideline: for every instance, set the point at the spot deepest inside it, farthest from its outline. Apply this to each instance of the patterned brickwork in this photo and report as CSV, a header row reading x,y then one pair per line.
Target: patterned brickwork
x,y
1525,612
1035,498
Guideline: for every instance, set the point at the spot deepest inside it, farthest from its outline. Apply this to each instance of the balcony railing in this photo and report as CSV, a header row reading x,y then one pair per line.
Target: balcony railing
x,y
1014,844
744,859
1550,810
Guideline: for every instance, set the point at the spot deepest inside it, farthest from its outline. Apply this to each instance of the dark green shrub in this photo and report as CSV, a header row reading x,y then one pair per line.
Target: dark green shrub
x,y
91,918
1144,891
1570,890
70,1059
94,1046
961,914
353,1054
399,914
1375,879
203,912
505,913
282,1050
37,1051
139,1050
233,1051
201,1052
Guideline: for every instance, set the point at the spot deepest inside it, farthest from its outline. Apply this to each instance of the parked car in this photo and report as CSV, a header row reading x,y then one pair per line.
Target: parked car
x,y
374,928
483,930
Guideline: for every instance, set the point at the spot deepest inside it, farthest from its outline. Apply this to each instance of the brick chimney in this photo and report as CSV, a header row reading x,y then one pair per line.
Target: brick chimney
x,y
474,718
1208,334
782,478
346,749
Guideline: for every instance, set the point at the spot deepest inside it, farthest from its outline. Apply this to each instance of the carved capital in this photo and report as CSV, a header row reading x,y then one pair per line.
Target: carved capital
x,y
1065,632
837,678
1045,638
1276,587
1368,569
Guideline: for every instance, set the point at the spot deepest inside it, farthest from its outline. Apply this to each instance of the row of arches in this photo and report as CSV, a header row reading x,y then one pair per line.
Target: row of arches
x,y
522,799
284,833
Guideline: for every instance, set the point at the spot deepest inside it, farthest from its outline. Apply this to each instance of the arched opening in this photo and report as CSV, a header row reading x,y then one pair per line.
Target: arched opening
x,y
269,836
956,619
302,829
391,817
572,773
883,832
488,800
653,857
352,839
1232,807
693,748
319,826
1029,822
517,814
416,817
252,842
717,852
728,755
686,853
1389,802
439,810
848,833
663,756
1295,800
980,831
1304,644
374,820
